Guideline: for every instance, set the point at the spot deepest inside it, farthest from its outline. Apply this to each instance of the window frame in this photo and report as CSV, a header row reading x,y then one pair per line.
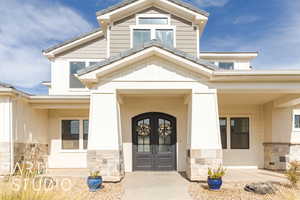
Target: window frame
x,y
226,61
152,27
228,118
295,112
80,149
153,15
87,61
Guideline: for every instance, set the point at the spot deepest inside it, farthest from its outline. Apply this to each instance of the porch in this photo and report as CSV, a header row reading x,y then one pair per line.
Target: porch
x,y
175,103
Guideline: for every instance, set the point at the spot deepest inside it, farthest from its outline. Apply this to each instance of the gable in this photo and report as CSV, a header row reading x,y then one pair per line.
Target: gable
x,y
149,71
186,35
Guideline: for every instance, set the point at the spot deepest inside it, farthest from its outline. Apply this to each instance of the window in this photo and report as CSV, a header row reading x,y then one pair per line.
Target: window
x,y
74,81
165,37
140,37
153,20
153,26
74,67
74,134
223,132
85,133
297,121
226,65
239,133
70,134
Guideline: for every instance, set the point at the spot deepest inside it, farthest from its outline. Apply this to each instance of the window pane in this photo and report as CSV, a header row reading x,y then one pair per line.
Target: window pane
x,y
297,121
85,133
93,63
165,37
239,133
74,67
223,131
153,20
226,65
140,37
70,134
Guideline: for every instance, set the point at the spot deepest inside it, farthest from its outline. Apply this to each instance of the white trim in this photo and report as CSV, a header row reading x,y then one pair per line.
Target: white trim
x,y
156,15
152,29
228,130
198,40
295,112
108,41
196,16
80,150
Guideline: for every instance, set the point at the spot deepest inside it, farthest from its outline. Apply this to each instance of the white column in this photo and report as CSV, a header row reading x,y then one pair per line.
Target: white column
x,y
204,141
104,145
205,129
6,143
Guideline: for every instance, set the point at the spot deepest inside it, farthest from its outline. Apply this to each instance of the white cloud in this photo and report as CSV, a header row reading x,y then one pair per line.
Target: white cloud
x,y
246,19
211,3
27,27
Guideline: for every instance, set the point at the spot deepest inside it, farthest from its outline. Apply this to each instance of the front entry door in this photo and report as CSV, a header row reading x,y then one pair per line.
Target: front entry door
x,y
154,142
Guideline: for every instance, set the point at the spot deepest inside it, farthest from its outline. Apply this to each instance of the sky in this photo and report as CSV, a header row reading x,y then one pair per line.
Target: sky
x,y
271,27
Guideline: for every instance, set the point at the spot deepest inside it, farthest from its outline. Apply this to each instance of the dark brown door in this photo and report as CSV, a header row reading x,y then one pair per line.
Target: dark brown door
x,y
154,142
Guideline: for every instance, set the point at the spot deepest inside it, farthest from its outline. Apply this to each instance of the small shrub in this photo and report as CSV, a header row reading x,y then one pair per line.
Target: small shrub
x,y
94,174
292,173
216,173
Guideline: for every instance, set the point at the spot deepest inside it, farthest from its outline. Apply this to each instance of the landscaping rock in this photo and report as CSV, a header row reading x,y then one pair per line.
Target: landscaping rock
x,y
260,188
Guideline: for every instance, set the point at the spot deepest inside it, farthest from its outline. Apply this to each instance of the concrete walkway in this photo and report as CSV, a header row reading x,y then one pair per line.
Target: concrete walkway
x,y
155,186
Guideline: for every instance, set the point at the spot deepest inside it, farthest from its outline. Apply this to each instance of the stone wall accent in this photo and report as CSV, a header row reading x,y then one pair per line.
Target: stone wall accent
x,y
278,155
33,153
109,162
199,160
5,157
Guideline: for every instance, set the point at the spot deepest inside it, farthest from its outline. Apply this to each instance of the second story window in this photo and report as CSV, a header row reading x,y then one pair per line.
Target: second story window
x,y
75,66
153,26
226,65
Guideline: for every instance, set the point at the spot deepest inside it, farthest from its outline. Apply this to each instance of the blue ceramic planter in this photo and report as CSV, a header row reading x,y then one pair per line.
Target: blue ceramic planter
x,y
214,184
94,183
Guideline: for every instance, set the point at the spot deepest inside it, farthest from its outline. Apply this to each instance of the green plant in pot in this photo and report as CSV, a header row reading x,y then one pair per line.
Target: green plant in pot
x,y
94,181
214,179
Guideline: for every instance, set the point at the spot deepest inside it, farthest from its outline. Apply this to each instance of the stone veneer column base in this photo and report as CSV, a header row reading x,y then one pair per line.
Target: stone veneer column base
x,y
108,162
278,155
199,160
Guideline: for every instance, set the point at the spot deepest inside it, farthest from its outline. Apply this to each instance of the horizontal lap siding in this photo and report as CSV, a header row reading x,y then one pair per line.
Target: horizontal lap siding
x,y
186,36
120,35
95,49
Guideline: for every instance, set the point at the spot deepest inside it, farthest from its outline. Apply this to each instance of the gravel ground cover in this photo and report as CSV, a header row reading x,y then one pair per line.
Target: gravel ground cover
x,y
235,191
65,188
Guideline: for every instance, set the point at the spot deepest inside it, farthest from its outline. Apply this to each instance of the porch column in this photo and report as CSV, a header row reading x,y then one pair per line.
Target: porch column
x,y
204,142
6,148
104,142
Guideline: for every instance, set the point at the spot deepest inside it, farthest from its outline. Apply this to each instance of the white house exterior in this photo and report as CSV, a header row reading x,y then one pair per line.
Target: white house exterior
x,y
139,94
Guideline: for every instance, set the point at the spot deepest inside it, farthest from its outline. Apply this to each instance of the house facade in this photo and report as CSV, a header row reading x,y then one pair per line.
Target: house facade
x,y
139,94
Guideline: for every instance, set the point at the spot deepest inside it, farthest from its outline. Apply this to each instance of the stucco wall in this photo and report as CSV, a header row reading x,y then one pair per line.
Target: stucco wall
x,y
174,106
30,125
59,158
253,157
